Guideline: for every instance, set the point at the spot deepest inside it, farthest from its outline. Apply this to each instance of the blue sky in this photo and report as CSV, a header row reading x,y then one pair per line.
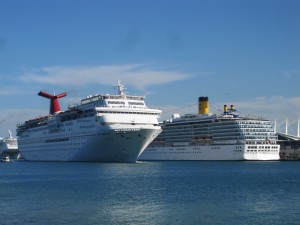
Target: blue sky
x,y
241,52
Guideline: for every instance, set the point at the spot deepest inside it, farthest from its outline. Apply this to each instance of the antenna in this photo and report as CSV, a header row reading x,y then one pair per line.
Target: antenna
x,y
121,88
54,104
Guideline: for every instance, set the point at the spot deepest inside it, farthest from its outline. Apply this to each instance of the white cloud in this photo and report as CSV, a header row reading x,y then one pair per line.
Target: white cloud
x,y
9,118
268,107
272,107
139,76
5,91
291,73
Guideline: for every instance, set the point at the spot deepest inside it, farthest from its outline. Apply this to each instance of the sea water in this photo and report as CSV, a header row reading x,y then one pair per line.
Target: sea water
x,y
196,192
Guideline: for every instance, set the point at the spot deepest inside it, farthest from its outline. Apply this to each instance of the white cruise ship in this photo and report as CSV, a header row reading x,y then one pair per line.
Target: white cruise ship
x,y
102,128
8,145
207,136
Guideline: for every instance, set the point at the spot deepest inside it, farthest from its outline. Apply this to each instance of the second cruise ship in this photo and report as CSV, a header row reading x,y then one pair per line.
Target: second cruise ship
x,y
207,136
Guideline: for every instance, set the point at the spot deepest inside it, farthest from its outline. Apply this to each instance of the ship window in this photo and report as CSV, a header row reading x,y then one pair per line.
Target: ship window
x,y
136,103
141,113
116,102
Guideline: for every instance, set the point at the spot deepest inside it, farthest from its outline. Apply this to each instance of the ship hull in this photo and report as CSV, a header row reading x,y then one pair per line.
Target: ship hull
x,y
9,146
109,146
102,128
208,152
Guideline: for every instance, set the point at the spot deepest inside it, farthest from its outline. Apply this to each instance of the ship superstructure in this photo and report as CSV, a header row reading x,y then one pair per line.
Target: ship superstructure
x,y
102,128
8,146
207,136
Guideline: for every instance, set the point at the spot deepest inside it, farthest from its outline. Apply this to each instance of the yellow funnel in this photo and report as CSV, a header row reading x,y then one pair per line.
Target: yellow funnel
x,y
203,105
225,108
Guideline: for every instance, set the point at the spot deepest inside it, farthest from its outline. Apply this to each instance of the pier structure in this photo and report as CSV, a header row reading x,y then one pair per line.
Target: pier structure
x,y
288,127
289,139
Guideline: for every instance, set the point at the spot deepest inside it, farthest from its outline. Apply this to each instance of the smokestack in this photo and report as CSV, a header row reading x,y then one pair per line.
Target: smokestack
x,y
203,105
225,109
54,104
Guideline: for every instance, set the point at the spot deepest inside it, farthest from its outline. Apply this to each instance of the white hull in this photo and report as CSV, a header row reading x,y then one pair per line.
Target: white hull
x,y
216,152
7,148
8,145
108,146
102,128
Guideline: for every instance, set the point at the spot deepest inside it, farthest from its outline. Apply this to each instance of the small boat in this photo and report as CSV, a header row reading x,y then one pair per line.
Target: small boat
x,y
6,159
